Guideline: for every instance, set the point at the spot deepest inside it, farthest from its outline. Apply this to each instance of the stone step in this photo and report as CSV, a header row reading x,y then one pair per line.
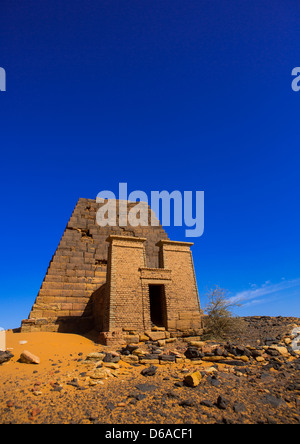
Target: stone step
x,y
155,328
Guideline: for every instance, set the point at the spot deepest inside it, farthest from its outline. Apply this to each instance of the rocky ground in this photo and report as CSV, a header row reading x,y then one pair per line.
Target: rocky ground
x,y
254,378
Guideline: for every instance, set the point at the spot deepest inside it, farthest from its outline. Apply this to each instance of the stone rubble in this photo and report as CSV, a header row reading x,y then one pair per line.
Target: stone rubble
x,y
232,381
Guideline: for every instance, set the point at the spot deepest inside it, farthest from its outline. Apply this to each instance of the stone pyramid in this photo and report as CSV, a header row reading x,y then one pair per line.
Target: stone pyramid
x,y
78,268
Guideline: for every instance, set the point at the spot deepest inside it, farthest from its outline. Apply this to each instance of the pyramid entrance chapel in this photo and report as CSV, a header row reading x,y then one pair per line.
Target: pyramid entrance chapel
x,y
122,282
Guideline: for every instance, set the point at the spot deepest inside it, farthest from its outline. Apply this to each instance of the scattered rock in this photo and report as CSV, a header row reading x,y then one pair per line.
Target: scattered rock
x,y
29,358
156,335
146,387
222,403
210,370
280,349
188,403
121,404
56,387
111,358
170,340
234,362
34,412
213,358
215,382
198,344
179,384
150,371
192,353
130,359
169,358
146,361
74,383
100,373
110,406
95,356
239,407
37,392
144,338
5,356
111,365
257,380
273,401
138,352
193,379
207,403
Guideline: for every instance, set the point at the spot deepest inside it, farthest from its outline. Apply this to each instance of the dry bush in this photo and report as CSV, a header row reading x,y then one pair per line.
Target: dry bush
x,y
220,322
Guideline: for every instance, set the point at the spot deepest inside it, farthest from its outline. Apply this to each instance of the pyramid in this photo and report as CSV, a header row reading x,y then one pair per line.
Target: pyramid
x,y
105,277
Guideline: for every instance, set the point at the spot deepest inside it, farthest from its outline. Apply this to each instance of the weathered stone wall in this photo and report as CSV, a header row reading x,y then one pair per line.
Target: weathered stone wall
x,y
184,312
128,288
124,284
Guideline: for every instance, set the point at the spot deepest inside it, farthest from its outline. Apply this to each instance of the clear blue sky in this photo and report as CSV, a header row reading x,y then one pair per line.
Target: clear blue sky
x,y
163,95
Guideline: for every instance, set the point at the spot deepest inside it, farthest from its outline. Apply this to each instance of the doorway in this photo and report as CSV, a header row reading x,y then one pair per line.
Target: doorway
x,y
158,310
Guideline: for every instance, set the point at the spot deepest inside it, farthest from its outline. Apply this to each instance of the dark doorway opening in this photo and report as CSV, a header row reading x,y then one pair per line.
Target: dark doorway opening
x,y
157,305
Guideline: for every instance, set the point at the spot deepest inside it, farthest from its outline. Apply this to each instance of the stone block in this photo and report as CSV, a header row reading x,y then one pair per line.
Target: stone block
x,y
156,335
193,379
149,361
131,339
130,359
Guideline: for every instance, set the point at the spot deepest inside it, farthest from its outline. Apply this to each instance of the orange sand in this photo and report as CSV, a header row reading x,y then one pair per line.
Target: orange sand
x,y
48,347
